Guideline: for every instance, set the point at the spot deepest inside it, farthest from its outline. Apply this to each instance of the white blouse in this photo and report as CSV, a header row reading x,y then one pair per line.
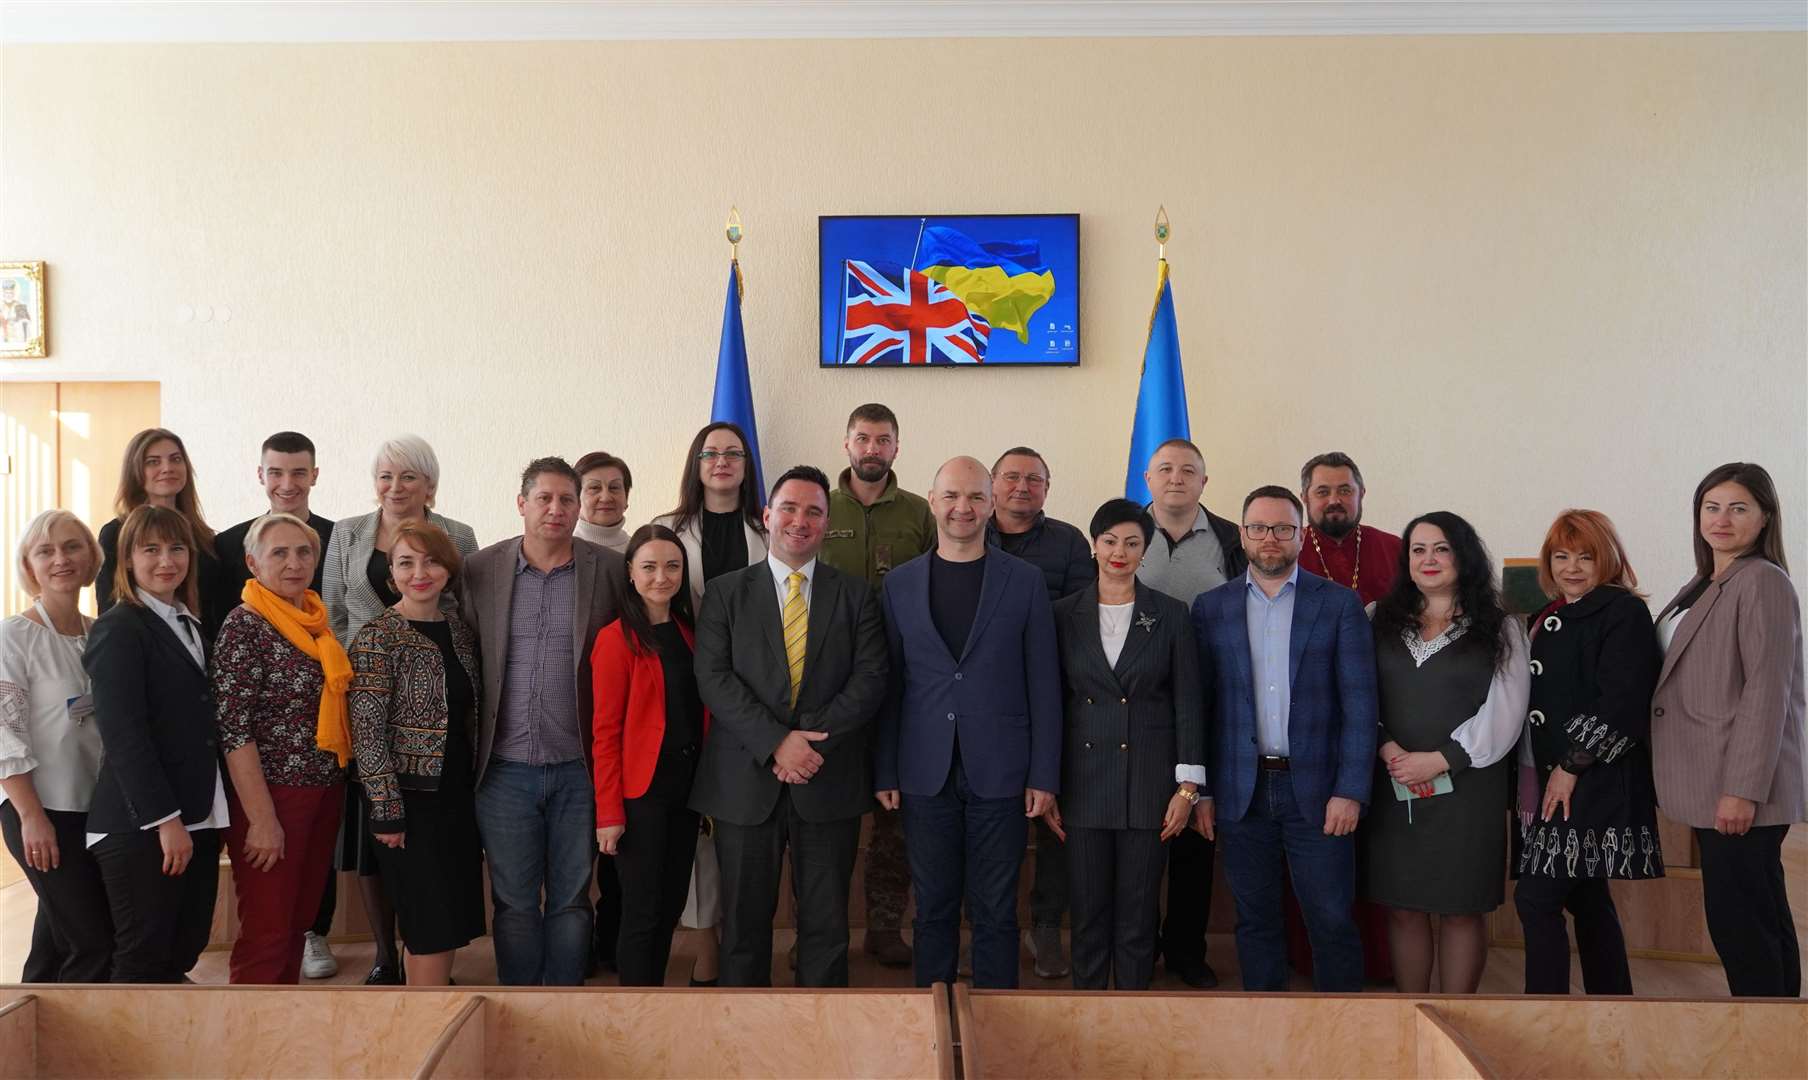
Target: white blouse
x,y
1666,627
1494,730
47,724
1114,628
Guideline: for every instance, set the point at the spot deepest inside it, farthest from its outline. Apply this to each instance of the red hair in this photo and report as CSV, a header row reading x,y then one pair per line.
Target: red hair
x,y
1587,532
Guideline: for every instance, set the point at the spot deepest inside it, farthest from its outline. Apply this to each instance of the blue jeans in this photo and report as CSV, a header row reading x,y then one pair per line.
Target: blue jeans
x,y
958,842
538,824
1273,840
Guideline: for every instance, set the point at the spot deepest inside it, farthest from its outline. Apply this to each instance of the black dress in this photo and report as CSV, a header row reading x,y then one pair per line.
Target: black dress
x,y
1442,854
436,881
724,542
1595,665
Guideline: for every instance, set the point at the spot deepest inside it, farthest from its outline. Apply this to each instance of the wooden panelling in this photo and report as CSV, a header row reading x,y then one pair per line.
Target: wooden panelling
x,y
1056,1035
459,1052
1599,1037
18,1037
195,1031
789,1033
1444,1053
28,475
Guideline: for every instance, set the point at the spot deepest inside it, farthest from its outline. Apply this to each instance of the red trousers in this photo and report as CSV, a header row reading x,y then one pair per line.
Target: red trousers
x,y
277,906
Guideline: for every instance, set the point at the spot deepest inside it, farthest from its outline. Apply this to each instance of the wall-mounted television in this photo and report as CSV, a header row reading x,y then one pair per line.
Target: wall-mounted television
x,y
949,289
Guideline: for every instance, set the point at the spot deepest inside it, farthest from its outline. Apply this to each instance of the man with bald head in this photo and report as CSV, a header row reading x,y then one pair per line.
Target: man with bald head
x,y
970,736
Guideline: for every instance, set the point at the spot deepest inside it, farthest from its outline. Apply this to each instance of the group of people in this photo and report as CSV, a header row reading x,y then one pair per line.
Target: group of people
x,y
672,712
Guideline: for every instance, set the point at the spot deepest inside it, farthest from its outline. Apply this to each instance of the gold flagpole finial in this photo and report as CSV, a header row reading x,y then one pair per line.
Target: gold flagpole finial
x,y
734,234
1161,232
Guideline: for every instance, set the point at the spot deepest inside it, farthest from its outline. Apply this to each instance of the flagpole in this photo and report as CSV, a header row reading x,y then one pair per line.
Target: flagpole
x,y
1162,232
922,224
734,233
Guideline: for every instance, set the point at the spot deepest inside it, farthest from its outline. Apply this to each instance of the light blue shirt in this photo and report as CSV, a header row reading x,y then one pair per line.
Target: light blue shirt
x,y
1270,625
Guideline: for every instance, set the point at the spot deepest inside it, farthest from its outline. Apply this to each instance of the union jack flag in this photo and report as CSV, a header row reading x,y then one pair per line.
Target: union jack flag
x,y
891,315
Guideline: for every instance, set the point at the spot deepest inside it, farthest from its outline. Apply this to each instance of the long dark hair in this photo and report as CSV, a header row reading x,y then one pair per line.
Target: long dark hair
x,y
637,627
131,494
1755,479
690,485
1477,596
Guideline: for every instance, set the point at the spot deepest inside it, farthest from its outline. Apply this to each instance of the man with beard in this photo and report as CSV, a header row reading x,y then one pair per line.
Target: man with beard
x,y
1337,544
874,526
1288,666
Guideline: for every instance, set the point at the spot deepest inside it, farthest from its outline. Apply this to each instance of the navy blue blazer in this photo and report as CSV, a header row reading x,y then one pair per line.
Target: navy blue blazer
x,y
1331,722
1002,694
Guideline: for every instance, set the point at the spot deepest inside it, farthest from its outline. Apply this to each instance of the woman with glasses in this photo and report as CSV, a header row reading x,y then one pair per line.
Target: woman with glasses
x,y
718,524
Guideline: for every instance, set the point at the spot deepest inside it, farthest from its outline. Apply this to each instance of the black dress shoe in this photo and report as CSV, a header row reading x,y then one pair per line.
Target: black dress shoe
x,y
1199,977
383,975
706,982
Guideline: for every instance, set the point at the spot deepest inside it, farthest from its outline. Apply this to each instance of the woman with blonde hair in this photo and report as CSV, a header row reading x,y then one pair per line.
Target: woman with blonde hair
x,y
50,753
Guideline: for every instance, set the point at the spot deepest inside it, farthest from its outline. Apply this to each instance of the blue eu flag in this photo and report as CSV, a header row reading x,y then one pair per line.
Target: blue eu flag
x,y
1161,405
734,388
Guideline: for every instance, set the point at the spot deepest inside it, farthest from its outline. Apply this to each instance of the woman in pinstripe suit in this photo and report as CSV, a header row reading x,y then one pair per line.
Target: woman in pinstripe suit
x,y
1134,751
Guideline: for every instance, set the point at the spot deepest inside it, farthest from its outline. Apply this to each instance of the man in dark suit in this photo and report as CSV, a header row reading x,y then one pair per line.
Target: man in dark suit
x,y
1288,667
791,662
536,602
970,738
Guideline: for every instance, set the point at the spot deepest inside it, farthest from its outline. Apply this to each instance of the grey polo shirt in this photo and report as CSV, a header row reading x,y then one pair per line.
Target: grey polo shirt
x,y
1183,569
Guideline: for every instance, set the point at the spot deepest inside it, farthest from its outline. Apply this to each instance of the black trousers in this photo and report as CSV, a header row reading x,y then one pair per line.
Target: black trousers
x,y
72,937
1048,889
1541,902
653,867
1189,900
1748,912
329,904
1115,878
160,923
605,929
822,872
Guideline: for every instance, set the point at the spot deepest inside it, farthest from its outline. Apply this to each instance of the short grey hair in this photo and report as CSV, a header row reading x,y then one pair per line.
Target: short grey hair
x,y
34,535
254,536
409,452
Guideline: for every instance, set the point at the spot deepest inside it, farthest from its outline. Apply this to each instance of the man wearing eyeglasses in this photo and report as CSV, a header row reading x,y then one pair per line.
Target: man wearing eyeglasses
x,y
1288,666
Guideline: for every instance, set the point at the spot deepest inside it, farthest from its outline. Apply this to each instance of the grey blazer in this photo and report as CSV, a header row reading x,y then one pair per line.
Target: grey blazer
x,y
1130,723
344,584
485,592
1727,717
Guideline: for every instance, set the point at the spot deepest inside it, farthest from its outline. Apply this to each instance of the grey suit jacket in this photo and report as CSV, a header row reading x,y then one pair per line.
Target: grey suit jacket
x,y
486,589
1130,723
344,584
1727,717
744,679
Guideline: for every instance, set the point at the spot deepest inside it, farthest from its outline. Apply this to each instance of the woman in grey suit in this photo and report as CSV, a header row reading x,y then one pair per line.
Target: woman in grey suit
x,y
1133,761
357,587
1727,725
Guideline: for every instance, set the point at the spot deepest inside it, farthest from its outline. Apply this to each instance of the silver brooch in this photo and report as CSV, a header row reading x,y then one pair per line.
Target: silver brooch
x,y
1147,622
1553,623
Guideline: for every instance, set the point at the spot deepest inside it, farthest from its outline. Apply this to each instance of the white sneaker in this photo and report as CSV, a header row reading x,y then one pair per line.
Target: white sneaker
x,y
317,960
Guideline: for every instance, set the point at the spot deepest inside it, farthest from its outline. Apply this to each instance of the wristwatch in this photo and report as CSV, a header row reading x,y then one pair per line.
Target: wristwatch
x,y
1192,797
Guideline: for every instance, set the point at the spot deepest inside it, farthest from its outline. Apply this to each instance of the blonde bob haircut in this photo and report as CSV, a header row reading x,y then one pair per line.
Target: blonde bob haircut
x,y
411,453
155,524
39,531
254,536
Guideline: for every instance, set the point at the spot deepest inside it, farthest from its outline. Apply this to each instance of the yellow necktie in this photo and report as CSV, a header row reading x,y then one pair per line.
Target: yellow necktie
x,y
797,627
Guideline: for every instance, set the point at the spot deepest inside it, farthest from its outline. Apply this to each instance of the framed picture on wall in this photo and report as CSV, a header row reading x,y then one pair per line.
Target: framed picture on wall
x,y
949,290
22,310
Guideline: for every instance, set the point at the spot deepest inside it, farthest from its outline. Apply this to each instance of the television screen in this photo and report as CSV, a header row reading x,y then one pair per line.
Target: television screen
x,y
939,289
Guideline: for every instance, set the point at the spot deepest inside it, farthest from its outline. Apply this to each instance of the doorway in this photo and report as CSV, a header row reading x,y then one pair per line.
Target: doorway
x,y
60,445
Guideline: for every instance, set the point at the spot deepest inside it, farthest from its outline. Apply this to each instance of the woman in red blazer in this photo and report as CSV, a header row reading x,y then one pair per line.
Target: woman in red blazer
x,y
648,725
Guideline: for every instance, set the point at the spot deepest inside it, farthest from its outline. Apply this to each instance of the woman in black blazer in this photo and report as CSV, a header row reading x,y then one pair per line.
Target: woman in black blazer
x,y
159,802
1134,755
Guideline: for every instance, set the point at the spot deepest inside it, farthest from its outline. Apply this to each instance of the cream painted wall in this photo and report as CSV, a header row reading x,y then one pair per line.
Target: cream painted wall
x,y
1508,274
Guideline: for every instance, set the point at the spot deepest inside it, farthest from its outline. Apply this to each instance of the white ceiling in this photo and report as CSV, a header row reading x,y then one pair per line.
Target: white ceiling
x,y
23,21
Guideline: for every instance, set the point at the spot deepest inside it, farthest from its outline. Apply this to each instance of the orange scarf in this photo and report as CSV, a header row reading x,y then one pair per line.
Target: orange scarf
x,y
306,628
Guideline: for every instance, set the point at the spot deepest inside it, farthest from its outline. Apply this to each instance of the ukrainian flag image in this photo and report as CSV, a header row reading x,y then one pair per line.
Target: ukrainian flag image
x,y
1004,281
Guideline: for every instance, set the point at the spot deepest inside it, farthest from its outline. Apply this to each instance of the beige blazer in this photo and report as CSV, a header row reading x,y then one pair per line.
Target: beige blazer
x,y
692,539
1727,716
